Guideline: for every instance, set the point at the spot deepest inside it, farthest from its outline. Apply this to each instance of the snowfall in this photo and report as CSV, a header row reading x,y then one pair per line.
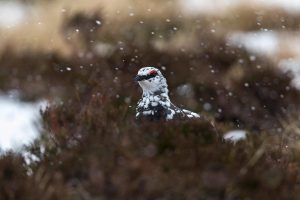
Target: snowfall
x,y
20,121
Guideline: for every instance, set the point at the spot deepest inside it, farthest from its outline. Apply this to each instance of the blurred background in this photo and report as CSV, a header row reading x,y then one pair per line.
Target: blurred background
x,y
67,99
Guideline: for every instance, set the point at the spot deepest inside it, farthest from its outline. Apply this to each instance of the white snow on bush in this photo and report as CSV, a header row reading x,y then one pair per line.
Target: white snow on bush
x,y
235,135
19,122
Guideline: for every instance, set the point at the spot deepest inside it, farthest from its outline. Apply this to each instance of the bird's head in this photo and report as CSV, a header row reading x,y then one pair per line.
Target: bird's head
x,y
151,80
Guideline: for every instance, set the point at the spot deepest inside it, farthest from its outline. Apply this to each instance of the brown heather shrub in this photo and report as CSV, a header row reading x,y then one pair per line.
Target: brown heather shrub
x,y
94,148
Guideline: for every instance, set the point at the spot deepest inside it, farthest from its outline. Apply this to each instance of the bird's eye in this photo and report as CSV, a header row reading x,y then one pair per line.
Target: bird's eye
x,y
153,72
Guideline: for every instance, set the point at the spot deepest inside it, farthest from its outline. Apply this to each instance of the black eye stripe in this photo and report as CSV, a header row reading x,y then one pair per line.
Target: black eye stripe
x,y
148,76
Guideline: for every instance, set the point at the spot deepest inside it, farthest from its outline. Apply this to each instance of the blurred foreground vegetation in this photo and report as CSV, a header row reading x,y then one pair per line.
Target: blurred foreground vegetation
x,y
83,59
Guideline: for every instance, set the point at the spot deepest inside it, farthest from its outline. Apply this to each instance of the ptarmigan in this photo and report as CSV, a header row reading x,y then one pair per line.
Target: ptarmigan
x,y
155,103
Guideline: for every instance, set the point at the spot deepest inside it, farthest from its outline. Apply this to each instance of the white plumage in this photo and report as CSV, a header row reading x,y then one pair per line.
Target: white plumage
x,y
155,103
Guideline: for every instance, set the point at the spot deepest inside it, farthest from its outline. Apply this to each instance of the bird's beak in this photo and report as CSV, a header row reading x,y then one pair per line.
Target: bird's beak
x,y
138,78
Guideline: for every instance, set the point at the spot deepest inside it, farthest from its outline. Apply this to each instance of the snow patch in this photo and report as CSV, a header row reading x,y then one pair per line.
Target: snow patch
x,y
205,6
216,6
235,135
12,14
19,122
291,6
262,42
291,66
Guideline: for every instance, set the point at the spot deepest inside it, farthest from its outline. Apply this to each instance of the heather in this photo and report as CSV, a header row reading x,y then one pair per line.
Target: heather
x,y
82,59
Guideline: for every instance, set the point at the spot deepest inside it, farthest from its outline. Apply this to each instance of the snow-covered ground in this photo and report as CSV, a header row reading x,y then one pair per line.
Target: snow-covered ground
x,y
19,122
292,6
262,42
273,44
218,6
282,48
12,13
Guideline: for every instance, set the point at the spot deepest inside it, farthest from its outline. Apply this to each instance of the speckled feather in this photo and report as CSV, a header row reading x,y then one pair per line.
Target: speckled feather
x,y
155,103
